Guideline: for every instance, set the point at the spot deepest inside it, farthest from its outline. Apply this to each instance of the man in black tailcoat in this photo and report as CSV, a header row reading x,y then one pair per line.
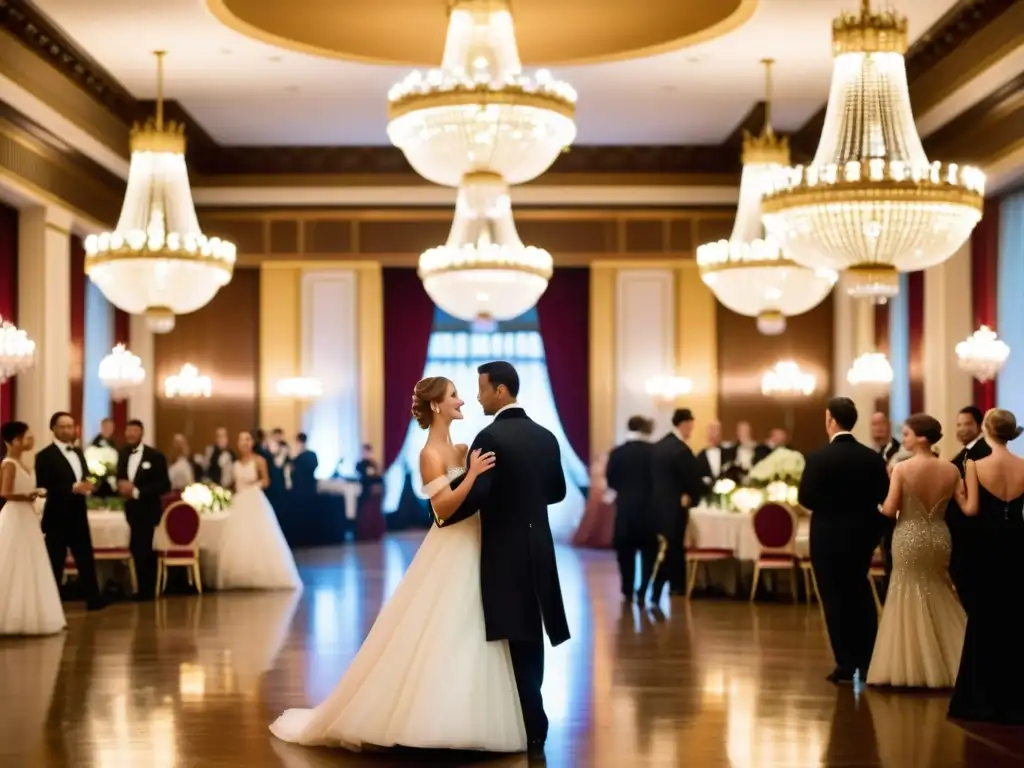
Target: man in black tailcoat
x,y
676,486
629,474
518,575
963,530
886,446
843,484
142,481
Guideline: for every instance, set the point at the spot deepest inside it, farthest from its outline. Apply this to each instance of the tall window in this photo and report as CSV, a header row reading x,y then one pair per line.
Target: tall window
x,y
455,351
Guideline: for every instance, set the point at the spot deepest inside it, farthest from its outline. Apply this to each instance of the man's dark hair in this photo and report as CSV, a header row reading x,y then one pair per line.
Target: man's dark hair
x,y
975,413
260,435
277,431
301,437
107,420
136,423
638,424
844,412
500,373
680,415
57,417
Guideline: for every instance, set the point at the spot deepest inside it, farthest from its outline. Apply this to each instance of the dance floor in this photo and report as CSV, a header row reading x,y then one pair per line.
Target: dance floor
x,y
195,681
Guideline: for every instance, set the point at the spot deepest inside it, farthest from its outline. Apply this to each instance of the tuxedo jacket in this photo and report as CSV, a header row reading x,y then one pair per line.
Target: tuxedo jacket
x,y
955,518
843,484
889,450
674,472
628,473
726,456
53,472
304,473
517,558
152,481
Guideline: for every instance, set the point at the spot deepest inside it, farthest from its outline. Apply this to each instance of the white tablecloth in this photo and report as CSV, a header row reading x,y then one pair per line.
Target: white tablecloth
x,y
719,529
110,529
350,489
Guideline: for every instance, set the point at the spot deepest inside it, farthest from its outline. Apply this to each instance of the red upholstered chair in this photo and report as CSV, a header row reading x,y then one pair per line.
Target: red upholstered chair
x,y
875,573
179,527
696,555
70,568
169,498
775,527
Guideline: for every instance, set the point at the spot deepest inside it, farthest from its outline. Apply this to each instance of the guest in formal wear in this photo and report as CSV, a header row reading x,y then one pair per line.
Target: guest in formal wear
x,y
367,468
628,473
105,438
220,460
180,468
370,525
777,438
745,449
676,485
991,676
715,461
887,447
966,561
303,468
843,484
61,472
142,481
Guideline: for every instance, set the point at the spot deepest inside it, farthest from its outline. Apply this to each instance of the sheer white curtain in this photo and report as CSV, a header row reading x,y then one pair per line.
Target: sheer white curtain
x,y
456,355
1010,282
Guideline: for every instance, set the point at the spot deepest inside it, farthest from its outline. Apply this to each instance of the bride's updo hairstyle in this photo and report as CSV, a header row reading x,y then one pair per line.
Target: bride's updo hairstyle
x,y
428,392
1001,425
925,427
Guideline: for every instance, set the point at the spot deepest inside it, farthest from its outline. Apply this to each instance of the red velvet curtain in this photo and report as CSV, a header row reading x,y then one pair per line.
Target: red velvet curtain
x,y
915,311
8,293
984,265
563,314
408,321
76,382
119,409
882,345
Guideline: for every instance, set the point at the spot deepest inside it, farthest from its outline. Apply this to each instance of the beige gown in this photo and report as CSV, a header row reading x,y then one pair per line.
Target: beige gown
x,y
921,634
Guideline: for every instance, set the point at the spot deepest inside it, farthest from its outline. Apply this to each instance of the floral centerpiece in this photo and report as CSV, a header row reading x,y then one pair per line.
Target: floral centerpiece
x,y
207,498
101,465
721,491
778,476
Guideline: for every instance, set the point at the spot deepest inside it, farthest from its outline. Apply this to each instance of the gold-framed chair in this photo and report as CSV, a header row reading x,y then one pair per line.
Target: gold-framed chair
x,y
775,527
179,527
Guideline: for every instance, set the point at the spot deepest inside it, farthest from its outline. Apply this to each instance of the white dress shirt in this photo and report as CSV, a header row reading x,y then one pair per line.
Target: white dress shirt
x,y
714,455
71,455
973,443
839,434
745,456
508,407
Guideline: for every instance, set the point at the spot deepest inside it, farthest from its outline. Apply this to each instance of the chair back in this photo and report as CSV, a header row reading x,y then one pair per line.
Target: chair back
x,y
775,526
180,522
169,498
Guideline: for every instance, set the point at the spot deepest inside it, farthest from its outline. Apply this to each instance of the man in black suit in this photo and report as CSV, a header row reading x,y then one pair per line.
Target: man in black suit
x,y
777,438
303,469
142,481
518,575
105,437
964,559
886,446
61,470
629,474
843,484
715,460
676,486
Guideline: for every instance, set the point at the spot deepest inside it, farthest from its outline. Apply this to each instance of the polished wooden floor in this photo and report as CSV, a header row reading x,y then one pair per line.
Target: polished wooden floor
x,y
195,681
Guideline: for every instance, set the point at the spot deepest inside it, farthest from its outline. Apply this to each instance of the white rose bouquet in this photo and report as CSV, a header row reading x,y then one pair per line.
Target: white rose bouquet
x,y
207,498
781,465
101,464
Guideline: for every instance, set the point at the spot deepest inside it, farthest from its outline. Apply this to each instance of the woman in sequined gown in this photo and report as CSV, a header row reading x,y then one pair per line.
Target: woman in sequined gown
x,y
991,678
426,676
921,634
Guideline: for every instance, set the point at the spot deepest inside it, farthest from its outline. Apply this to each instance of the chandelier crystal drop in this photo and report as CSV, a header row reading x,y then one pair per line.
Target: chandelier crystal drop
x,y
668,388
121,372
787,379
870,369
300,388
188,384
17,351
871,202
479,110
157,262
748,273
982,354
484,272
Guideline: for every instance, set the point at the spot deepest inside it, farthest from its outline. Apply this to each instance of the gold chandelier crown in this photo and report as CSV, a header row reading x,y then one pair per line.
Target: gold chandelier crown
x,y
156,136
768,147
869,32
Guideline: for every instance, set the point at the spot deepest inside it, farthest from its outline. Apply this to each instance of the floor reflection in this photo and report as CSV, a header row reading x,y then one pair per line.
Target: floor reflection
x,y
195,681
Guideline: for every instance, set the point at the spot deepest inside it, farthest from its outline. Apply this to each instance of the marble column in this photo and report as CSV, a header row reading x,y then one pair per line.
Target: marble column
x,y
947,321
142,403
853,335
44,313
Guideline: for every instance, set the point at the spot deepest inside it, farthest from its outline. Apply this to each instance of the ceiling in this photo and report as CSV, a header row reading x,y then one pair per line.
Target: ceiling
x,y
247,92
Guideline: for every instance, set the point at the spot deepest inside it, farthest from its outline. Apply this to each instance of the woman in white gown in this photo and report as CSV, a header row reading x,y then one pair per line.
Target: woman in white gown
x,y
29,599
426,677
253,553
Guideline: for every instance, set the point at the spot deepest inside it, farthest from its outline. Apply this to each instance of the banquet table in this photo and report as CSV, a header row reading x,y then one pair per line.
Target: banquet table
x,y
350,489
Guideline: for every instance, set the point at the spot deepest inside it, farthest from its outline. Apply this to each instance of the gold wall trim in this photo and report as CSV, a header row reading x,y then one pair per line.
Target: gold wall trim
x,y
697,347
280,356
370,288
602,359
555,179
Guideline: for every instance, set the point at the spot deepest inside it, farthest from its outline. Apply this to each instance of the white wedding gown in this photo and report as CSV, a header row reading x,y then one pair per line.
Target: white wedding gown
x,y
253,553
29,598
425,676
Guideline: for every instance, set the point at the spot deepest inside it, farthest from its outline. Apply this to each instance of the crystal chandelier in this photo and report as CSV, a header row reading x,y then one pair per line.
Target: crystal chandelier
x,y
786,378
668,388
982,354
479,111
748,273
871,202
188,384
300,388
870,369
484,271
17,351
157,262
121,372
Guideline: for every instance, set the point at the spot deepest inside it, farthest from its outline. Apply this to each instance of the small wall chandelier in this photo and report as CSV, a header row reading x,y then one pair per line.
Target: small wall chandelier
x,y
787,379
871,202
121,372
17,351
300,388
157,262
870,369
668,389
982,354
188,384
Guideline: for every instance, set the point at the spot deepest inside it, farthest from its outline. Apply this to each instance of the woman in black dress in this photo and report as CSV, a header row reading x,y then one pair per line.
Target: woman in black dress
x,y
991,675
